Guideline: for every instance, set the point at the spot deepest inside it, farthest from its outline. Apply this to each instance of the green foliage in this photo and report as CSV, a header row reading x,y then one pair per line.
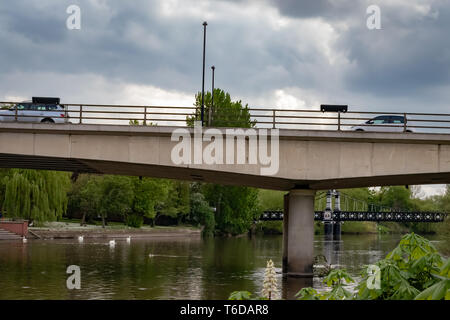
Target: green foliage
x,y
89,196
336,279
136,122
201,213
149,195
441,289
270,227
308,294
406,271
3,174
116,196
271,199
244,295
35,195
236,207
396,197
177,200
240,295
225,113
412,270
358,227
134,220
130,198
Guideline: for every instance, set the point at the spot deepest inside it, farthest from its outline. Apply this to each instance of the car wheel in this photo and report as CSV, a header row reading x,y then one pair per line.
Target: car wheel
x,y
360,130
47,121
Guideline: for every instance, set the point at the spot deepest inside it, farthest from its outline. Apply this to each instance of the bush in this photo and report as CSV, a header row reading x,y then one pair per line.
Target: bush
x,y
270,227
358,227
413,270
134,220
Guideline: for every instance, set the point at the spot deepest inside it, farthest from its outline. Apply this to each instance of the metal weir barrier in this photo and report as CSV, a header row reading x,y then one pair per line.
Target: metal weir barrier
x,y
261,117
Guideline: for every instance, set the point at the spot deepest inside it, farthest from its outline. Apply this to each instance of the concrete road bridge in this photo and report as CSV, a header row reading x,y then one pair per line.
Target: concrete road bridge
x,y
308,160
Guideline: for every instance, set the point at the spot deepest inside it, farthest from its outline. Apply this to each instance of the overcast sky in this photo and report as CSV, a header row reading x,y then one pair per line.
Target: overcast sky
x,y
269,53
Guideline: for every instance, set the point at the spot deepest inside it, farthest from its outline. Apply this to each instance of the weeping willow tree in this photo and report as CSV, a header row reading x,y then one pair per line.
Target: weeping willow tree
x,y
35,195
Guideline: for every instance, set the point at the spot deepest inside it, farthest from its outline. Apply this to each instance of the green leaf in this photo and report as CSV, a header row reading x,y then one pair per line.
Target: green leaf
x,y
240,295
436,292
308,294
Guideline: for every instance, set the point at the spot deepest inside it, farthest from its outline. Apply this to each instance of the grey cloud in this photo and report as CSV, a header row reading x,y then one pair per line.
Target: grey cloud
x,y
327,9
405,57
408,58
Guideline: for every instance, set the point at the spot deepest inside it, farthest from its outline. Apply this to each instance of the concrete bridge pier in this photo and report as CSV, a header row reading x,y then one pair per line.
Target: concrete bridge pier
x,y
298,233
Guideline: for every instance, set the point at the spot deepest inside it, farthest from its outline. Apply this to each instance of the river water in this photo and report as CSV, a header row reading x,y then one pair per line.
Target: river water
x,y
171,268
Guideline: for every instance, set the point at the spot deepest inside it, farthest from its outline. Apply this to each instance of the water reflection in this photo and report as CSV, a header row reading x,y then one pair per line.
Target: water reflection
x,y
168,268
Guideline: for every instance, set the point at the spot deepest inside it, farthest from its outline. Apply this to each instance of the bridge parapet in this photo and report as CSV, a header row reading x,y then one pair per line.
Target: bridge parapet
x,y
305,119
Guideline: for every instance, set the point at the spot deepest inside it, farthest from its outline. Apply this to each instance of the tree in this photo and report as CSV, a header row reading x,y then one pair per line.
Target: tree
x,y
116,196
3,174
149,195
129,198
177,201
201,213
84,197
236,207
224,113
395,197
36,195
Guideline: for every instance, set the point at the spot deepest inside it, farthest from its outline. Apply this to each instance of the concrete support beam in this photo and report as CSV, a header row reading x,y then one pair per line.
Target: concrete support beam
x,y
298,242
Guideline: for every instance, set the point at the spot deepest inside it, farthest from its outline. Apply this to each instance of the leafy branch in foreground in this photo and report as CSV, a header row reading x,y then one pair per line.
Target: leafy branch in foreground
x,y
337,280
413,270
407,271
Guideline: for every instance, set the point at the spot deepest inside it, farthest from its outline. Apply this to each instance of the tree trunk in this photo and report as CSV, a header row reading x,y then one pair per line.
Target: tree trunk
x,y
103,221
83,219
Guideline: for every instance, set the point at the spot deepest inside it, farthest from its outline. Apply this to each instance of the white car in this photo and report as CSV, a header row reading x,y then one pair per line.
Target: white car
x,y
34,112
384,123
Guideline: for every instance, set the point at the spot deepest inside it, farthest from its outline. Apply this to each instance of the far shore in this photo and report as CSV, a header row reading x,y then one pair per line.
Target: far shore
x,y
57,230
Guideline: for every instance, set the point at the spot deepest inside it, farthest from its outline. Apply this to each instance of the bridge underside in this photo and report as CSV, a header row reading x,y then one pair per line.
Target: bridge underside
x,y
192,174
307,159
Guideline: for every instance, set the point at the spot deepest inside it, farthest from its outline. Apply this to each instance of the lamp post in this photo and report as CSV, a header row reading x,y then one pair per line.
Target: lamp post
x,y
203,78
211,109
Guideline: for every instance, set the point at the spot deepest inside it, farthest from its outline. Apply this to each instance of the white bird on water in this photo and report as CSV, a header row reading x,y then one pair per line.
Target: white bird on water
x,y
80,239
112,243
128,239
24,240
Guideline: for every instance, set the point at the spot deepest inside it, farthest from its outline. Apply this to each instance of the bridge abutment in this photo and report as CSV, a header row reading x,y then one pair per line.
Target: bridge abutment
x,y
298,233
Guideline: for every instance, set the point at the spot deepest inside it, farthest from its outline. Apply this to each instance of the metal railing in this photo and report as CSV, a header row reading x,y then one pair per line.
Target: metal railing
x,y
416,216
261,117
